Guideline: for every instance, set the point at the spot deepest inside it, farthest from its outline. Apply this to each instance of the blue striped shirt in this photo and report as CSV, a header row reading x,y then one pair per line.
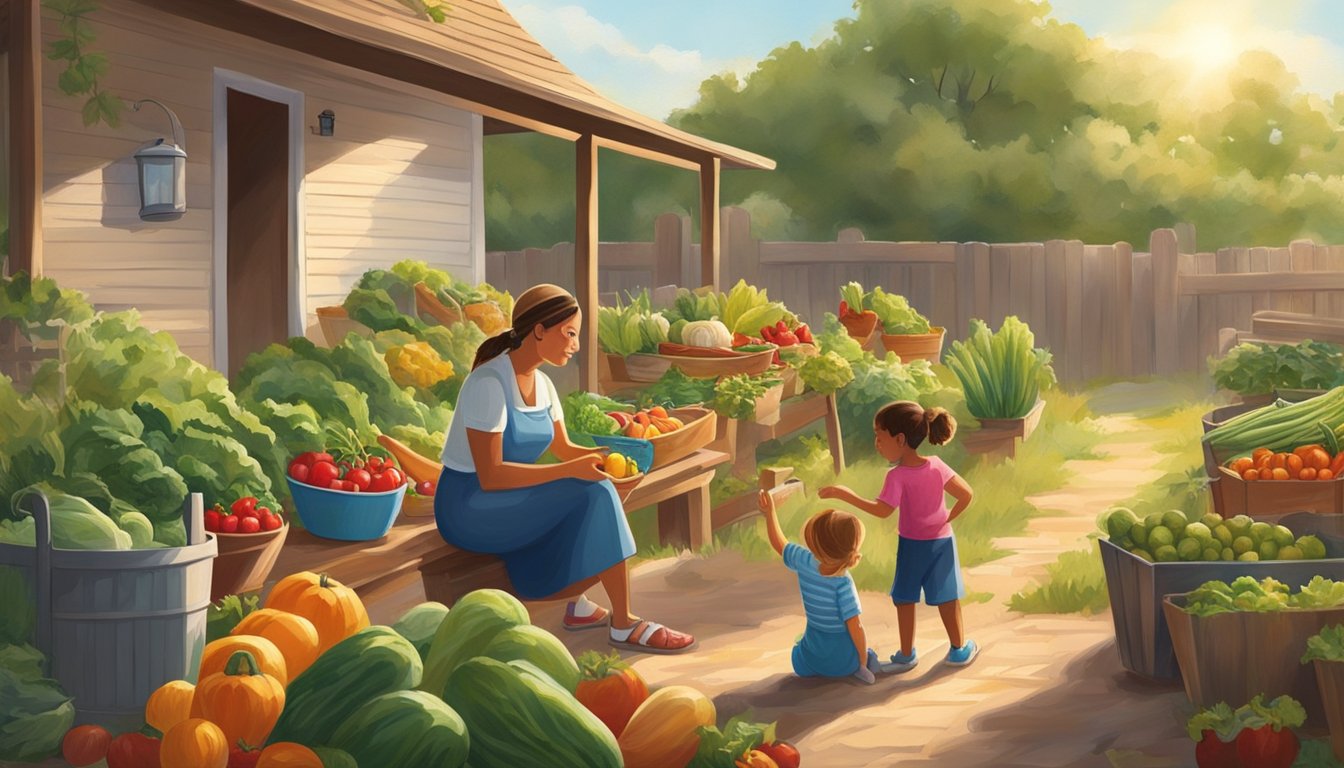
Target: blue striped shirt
x,y
828,601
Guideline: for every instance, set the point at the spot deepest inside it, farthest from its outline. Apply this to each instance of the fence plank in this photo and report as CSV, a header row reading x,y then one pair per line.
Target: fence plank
x,y
667,250
1207,264
1000,279
1225,311
1187,317
1073,292
1038,311
1056,302
965,280
1320,261
981,255
946,298
1242,304
1279,261
1334,261
1123,310
1094,299
1019,283
1142,312
1259,264
1166,302
1302,257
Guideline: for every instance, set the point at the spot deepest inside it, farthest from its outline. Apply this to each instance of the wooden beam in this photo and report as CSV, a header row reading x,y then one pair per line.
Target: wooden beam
x,y
649,154
585,256
25,136
1257,282
709,221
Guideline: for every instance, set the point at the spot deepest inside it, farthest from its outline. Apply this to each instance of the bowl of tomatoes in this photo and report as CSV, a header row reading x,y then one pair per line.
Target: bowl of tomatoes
x,y
354,498
249,536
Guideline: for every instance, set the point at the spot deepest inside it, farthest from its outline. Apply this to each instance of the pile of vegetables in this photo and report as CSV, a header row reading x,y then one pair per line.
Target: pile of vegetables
x,y
743,309
1001,373
892,310
1283,426
1245,594
243,516
1306,462
348,467
858,320
1259,369
1168,537
1258,735
733,397
632,328
384,299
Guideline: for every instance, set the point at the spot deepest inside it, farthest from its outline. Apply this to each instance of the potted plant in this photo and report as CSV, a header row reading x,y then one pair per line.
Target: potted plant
x,y
1326,651
1002,375
859,320
1258,734
905,332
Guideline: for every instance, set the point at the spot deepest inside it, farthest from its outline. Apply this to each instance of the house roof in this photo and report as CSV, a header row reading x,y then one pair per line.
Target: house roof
x,y
483,41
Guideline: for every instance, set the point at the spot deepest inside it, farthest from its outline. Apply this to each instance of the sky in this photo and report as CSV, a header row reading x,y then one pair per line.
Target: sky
x,y
652,56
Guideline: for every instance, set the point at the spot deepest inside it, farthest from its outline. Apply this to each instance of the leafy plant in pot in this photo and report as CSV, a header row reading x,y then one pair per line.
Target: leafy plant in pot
x,y
859,320
905,332
1001,373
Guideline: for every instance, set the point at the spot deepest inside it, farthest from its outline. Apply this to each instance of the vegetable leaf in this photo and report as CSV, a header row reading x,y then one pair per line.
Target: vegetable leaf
x,y
221,617
1326,645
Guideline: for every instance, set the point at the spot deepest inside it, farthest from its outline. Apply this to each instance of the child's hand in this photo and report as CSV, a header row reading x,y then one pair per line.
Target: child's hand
x,y
835,492
766,503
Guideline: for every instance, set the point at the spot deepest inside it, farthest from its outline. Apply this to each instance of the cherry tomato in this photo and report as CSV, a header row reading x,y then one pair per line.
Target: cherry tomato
x,y
299,471
374,464
229,524
383,481
245,507
249,525
398,479
85,745
306,458
133,750
322,457
271,522
322,473
425,487
360,477
212,521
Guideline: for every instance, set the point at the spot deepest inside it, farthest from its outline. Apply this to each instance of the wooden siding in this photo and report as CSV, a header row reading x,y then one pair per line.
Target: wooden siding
x,y
394,182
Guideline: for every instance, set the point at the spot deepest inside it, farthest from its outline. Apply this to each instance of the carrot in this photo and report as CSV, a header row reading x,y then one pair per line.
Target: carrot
x,y
418,467
1337,464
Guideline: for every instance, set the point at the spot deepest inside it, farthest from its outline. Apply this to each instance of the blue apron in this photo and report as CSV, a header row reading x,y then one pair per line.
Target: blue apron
x,y
550,535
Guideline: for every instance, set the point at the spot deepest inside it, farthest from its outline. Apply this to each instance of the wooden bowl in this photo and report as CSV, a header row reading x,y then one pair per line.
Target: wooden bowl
x,y
245,560
627,485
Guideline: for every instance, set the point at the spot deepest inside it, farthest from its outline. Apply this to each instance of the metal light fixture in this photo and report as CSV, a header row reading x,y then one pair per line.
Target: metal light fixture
x,y
326,123
163,173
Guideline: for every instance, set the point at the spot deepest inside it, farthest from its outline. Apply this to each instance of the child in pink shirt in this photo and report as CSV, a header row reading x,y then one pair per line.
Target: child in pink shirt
x,y
926,555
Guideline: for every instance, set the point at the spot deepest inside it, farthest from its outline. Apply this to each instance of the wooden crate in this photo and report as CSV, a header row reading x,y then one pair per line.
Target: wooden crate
x,y
1233,496
701,425
1330,682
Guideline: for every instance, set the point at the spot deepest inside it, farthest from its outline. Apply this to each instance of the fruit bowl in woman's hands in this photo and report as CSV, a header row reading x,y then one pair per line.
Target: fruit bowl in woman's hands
x,y
623,472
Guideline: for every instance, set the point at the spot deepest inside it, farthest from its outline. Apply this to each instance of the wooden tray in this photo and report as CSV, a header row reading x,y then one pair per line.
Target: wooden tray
x,y
427,303
648,367
336,325
698,433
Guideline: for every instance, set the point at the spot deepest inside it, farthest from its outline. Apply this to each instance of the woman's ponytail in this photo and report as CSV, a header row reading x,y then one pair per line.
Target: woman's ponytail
x,y
506,340
545,305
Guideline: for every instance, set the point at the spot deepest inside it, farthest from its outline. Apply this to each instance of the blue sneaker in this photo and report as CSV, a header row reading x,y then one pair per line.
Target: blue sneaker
x,y
960,657
901,663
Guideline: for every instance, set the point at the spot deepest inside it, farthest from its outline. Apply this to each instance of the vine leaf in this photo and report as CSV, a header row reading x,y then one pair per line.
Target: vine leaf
x,y
109,107
91,111
74,82
63,49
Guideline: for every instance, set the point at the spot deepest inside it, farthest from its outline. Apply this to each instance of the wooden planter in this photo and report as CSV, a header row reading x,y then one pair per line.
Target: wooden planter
x,y
1330,682
861,326
701,425
767,405
1234,496
1001,435
336,325
245,560
1234,656
643,367
916,346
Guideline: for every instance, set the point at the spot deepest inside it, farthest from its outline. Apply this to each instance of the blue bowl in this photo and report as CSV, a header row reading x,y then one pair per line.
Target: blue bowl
x,y
344,515
636,448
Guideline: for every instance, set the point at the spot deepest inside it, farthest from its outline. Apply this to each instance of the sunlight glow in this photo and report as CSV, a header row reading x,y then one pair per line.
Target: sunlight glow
x,y
1209,49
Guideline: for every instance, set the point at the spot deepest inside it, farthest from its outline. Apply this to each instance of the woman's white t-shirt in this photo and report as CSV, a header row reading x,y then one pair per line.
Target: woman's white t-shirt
x,y
487,396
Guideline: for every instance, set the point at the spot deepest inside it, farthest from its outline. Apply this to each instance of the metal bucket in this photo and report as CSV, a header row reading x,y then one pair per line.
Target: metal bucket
x,y
117,624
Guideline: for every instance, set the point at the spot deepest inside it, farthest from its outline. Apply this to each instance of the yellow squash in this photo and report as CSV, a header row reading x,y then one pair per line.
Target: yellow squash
x,y
295,636
334,609
169,705
194,743
242,701
662,732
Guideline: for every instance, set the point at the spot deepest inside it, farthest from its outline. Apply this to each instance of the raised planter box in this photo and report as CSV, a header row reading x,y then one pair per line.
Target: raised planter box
x,y
1137,588
245,560
1001,435
1330,683
916,346
1232,657
1234,496
644,367
701,426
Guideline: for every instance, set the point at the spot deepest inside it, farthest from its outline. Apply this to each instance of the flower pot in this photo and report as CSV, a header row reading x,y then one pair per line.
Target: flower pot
x,y
916,346
336,325
860,326
245,560
1330,679
767,405
1020,427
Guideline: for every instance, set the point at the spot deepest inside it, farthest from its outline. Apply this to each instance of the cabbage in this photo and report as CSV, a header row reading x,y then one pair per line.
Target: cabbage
x,y
75,523
706,333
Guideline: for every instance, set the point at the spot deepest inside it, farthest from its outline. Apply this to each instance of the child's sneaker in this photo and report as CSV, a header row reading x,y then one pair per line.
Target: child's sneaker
x,y
901,663
865,675
960,657
874,664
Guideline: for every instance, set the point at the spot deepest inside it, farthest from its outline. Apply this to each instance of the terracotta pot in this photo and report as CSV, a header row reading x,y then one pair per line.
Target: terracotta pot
x,y
245,560
916,346
860,326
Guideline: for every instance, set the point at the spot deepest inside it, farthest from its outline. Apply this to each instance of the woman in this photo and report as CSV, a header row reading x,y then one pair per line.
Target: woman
x,y
560,528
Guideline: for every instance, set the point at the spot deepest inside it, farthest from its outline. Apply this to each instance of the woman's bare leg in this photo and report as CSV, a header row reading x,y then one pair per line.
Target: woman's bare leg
x,y
905,621
573,590
616,580
951,613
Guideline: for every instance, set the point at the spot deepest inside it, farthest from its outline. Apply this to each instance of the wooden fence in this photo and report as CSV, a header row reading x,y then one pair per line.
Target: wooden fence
x,y
1103,310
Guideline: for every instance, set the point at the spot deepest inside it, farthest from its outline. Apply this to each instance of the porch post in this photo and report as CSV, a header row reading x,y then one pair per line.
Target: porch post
x,y
25,137
709,221
585,257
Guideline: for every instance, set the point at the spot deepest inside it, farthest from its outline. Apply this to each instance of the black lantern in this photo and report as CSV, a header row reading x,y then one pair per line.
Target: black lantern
x,y
326,123
163,174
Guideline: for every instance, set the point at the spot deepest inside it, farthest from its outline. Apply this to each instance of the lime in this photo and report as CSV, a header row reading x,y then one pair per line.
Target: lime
x,y
1119,522
1145,554
1175,520
1249,557
1189,549
1139,533
1210,555
1242,545
1262,532
1152,521
1269,550
1240,525
1312,548
1159,537
1198,531
1223,535
1166,554
1290,552
1282,536
1211,520
1228,555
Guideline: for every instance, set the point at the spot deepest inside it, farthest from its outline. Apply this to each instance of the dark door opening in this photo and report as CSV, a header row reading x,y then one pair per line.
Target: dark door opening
x,y
258,225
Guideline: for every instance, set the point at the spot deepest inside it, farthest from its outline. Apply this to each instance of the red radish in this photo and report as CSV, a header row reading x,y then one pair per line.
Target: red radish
x,y
245,506
322,473
1213,752
425,487
783,753
85,745
212,521
229,524
360,477
271,523
1267,747
299,471
249,525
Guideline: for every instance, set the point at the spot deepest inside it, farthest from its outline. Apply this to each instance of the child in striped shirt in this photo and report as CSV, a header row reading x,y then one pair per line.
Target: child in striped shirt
x,y
834,643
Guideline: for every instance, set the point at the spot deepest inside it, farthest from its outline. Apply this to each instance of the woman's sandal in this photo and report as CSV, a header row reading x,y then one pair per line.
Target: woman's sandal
x,y
598,618
652,637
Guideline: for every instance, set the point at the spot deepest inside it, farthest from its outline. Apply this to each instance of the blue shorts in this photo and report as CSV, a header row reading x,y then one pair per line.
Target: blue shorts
x,y
929,565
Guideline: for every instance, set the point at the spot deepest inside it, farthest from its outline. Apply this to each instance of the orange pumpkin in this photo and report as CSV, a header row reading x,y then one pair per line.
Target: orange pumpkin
x,y
295,636
194,743
169,705
333,608
217,654
288,754
242,701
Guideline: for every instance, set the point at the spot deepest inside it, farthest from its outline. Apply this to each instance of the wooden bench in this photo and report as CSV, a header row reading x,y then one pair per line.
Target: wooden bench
x,y
680,490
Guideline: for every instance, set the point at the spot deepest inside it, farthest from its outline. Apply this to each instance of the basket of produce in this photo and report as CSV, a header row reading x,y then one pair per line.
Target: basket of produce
x,y
249,539
905,332
440,306
1254,370
655,436
348,496
1259,628
336,325
419,501
697,362
632,330
859,321
633,450
624,472
1167,553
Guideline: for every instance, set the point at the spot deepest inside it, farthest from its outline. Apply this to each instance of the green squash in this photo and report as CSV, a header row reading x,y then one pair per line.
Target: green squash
x,y
334,758
420,624
534,644
473,622
369,663
404,728
518,716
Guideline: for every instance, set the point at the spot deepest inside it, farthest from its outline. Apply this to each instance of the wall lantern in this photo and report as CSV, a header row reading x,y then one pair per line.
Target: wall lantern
x,y
326,123
163,173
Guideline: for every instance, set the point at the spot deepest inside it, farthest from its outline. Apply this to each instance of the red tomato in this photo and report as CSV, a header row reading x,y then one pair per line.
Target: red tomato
x,y
133,750
299,471
245,506
322,457
212,521
241,758
322,473
1265,747
306,458
360,477
249,525
271,522
374,464
85,745
425,487
229,524
383,481
398,479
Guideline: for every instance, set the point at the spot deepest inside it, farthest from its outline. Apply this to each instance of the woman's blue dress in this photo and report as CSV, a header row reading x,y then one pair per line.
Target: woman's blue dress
x,y
550,535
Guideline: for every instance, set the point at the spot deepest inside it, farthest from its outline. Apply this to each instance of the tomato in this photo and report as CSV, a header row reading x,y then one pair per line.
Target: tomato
x,y
322,457
1266,747
85,745
249,525
271,522
299,471
1212,752
229,524
245,506
398,478
425,487
243,758
322,473
212,521
133,750
360,477
374,464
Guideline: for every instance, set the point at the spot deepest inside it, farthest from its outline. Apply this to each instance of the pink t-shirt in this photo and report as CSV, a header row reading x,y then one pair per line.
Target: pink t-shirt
x,y
917,492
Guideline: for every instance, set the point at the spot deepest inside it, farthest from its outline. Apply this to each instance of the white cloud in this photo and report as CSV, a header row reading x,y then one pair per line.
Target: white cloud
x,y
584,33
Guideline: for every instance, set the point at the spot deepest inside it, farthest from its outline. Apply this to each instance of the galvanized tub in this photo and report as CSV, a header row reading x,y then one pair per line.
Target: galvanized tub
x,y
1137,587
116,625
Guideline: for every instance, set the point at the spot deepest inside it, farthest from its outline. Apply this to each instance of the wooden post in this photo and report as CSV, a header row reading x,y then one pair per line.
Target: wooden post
x,y
709,221
585,255
667,250
834,435
741,256
25,136
1166,340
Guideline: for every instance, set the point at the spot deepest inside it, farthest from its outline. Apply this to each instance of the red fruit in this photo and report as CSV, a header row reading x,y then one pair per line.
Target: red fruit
x,y
844,308
786,338
212,521
271,522
306,458
249,525
804,334
299,471
360,477
398,479
1213,752
322,457
322,473
243,758
133,750
1265,747
425,487
229,523
245,506
783,753
374,464
85,745
781,326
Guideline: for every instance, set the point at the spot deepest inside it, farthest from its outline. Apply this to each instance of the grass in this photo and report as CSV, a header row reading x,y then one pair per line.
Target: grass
x,y
1073,584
